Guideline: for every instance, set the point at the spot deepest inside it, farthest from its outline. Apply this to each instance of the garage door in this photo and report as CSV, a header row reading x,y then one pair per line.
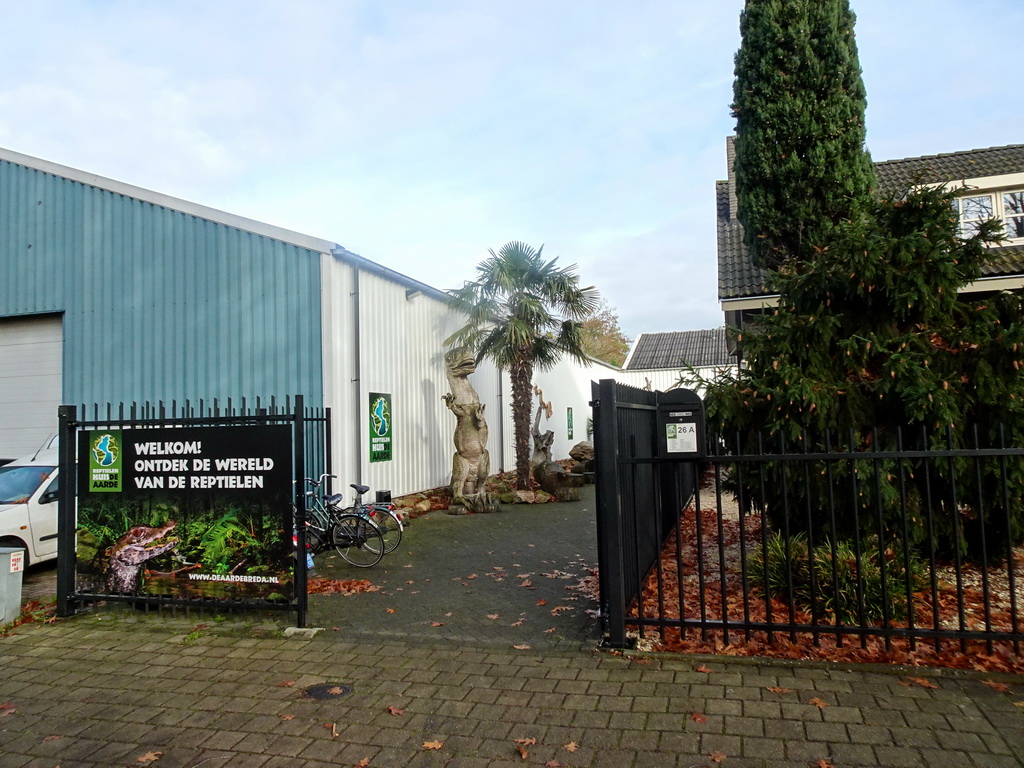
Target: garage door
x,y
30,382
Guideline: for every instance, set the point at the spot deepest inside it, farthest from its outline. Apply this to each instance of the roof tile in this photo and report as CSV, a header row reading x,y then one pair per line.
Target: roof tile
x,y
738,277
679,349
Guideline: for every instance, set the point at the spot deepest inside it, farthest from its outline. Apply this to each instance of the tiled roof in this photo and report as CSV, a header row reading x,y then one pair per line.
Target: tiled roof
x,y
737,274
898,175
679,349
739,278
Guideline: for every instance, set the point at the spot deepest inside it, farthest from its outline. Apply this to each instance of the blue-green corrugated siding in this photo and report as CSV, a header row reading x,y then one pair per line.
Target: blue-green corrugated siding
x,y
157,304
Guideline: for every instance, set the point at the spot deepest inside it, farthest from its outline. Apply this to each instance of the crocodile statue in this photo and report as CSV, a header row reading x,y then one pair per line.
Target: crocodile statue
x,y
126,557
471,463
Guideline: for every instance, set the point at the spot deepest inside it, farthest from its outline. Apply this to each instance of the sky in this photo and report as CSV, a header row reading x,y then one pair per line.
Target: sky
x,y
422,133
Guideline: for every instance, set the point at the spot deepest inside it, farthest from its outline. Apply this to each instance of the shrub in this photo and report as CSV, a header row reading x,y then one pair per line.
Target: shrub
x,y
832,583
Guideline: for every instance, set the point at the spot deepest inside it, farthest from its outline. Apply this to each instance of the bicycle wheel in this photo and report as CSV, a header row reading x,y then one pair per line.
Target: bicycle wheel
x,y
358,540
390,527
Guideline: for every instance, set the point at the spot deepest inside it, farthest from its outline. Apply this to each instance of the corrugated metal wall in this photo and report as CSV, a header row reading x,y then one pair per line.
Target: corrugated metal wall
x,y
400,352
158,304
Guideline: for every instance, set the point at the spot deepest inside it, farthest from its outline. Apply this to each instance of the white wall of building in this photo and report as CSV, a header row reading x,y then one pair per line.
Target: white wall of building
x,y
381,337
664,379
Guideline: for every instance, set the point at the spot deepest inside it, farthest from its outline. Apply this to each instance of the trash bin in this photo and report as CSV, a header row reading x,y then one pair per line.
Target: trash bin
x,y
12,565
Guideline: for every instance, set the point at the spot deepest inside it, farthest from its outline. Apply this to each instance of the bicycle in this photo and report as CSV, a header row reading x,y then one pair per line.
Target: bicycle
x,y
355,537
381,513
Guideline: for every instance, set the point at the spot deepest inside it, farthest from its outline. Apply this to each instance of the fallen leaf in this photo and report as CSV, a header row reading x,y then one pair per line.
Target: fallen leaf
x,y
549,631
363,763
395,711
389,610
560,609
1018,703
149,757
492,616
517,623
997,686
697,717
526,583
333,728
717,757
779,689
286,684
522,751
336,690
287,717
433,744
7,709
525,742
923,682
523,647
51,738
542,602
437,623
823,763
703,669
572,746
818,703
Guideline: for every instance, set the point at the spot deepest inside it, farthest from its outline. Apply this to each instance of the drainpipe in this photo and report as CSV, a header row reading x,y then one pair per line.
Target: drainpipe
x,y
357,365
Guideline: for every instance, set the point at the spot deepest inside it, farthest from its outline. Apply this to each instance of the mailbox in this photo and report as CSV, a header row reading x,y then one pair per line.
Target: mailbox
x,y
681,425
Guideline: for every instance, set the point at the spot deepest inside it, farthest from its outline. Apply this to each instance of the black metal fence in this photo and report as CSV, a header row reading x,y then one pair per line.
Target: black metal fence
x,y
904,537
311,456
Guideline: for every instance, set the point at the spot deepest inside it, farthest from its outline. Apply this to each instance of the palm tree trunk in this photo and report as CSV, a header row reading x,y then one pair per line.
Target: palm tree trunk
x,y
521,375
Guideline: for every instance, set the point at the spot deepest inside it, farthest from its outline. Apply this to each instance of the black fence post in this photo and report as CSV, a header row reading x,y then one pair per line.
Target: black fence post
x,y
302,598
67,416
611,538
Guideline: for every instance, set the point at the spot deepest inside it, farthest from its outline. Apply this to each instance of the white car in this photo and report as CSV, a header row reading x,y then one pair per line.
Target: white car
x,y
28,505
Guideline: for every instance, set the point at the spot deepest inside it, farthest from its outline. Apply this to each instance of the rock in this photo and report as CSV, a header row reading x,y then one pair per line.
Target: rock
x,y
477,503
582,452
525,497
551,476
568,493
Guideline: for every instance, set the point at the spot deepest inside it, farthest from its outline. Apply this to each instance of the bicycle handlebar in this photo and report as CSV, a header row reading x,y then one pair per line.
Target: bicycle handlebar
x,y
317,483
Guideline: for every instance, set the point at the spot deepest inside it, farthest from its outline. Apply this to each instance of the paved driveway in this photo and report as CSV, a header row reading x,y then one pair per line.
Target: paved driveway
x,y
505,579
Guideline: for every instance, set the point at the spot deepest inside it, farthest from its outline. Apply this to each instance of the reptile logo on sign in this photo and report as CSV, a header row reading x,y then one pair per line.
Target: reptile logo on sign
x,y
105,462
380,427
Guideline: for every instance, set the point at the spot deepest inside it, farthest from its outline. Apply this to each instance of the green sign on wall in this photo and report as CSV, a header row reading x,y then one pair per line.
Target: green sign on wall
x,y
380,426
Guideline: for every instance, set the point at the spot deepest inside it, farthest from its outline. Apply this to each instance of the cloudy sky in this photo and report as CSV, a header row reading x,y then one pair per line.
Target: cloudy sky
x,y
421,133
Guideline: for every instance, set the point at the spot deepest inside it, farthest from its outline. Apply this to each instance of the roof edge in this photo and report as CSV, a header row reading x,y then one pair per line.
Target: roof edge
x,y
167,201
361,262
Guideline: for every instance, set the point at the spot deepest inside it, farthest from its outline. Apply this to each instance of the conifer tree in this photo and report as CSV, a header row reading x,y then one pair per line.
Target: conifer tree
x,y
871,348
799,102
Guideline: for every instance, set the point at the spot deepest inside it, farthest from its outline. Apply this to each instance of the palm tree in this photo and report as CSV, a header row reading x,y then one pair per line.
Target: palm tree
x,y
524,313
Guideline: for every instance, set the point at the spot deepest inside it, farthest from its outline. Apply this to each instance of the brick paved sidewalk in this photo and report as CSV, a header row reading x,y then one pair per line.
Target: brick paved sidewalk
x,y
122,690
109,688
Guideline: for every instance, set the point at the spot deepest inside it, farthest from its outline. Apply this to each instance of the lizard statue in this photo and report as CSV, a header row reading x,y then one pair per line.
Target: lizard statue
x,y
471,463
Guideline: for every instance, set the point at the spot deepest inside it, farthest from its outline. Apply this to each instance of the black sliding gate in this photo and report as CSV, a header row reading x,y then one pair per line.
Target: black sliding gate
x,y
187,505
909,536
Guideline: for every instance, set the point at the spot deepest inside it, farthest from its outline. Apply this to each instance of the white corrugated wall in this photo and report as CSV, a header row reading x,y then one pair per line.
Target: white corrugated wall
x,y
382,335
399,351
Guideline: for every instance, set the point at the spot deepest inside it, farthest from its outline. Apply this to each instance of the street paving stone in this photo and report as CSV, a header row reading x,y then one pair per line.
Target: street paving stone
x,y
116,687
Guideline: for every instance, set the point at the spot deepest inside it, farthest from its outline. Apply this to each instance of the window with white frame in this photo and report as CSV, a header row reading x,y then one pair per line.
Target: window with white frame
x,y
1007,207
